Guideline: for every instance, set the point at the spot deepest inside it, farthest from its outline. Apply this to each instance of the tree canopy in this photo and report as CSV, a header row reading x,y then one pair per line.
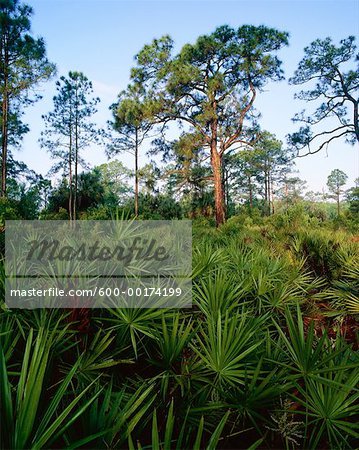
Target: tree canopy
x,y
336,180
69,130
334,84
132,122
23,64
212,85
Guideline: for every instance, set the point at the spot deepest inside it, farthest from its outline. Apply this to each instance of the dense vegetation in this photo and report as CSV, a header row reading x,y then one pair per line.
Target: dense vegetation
x,y
267,357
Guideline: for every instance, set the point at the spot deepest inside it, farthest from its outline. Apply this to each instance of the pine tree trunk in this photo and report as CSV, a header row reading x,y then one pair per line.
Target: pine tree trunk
x,y
4,135
267,190
286,195
218,186
271,198
250,192
76,163
136,173
216,163
70,176
4,131
226,190
356,120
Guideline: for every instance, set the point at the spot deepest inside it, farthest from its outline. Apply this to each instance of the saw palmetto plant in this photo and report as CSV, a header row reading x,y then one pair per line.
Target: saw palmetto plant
x,y
252,364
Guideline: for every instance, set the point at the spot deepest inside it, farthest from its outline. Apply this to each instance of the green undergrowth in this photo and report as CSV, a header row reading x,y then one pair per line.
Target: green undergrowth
x,y
266,357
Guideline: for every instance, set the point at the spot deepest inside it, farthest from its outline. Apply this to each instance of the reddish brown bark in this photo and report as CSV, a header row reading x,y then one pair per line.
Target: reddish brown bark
x,y
218,186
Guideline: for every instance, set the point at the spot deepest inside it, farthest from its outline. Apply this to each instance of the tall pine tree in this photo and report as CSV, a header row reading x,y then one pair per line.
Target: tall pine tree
x,y
23,64
212,86
69,130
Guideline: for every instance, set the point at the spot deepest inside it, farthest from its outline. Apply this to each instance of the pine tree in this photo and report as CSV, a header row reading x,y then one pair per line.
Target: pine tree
x,y
336,180
212,86
68,129
132,123
23,64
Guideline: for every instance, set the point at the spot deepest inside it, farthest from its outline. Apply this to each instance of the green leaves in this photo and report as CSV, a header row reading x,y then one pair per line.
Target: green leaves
x,y
245,361
260,390
330,401
304,350
323,55
211,86
134,324
224,348
24,65
171,339
217,294
6,410
30,386
27,424
68,129
153,60
325,378
186,432
335,87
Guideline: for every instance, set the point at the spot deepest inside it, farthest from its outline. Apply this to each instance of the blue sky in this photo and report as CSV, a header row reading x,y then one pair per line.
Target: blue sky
x,y
101,37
